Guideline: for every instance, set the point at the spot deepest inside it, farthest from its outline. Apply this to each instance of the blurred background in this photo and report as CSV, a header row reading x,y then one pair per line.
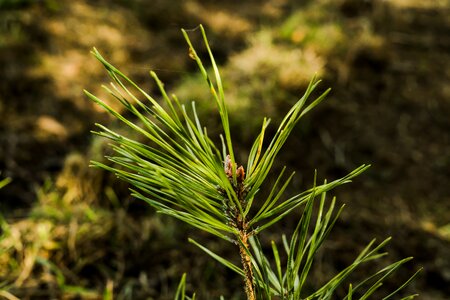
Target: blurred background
x,y
71,232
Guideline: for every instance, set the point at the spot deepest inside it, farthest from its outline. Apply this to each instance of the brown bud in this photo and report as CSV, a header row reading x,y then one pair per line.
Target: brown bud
x,y
240,174
228,168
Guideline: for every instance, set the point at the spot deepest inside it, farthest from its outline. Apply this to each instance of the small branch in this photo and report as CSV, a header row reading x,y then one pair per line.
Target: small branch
x,y
247,266
236,176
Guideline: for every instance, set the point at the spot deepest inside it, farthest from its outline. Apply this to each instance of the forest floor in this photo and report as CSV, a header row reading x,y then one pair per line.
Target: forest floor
x,y
72,232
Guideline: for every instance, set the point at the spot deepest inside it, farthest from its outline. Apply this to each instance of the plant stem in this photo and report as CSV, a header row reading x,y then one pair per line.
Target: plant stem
x,y
247,265
237,220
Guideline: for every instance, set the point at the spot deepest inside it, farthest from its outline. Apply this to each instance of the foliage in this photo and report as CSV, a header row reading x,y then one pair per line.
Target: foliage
x,y
180,171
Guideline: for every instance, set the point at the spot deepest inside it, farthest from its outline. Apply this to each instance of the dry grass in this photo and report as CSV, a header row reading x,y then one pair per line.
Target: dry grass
x,y
68,242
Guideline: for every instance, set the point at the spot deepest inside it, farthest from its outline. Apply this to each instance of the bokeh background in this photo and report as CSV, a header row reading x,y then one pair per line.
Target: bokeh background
x,y
71,232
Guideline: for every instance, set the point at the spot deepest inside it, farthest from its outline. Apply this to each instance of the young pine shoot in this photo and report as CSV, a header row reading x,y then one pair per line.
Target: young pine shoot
x,y
176,168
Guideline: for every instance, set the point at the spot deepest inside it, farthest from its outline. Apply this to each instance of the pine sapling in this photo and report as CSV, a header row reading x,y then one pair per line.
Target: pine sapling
x,y
176,168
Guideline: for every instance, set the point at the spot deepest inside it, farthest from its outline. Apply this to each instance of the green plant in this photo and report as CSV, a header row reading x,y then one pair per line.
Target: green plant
x,y
181,172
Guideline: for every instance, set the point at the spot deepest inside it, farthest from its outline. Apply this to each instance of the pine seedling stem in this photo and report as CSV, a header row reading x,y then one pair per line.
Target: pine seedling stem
x,y
247,266
238,221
